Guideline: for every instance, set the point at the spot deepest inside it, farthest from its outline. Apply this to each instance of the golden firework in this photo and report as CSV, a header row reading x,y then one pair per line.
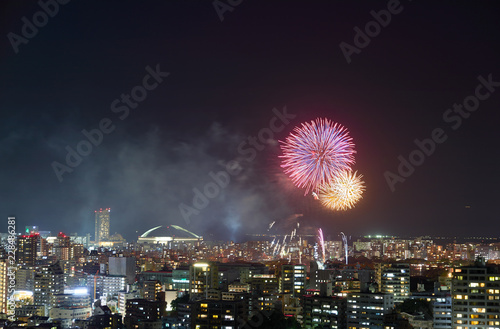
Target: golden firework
x,y
345,190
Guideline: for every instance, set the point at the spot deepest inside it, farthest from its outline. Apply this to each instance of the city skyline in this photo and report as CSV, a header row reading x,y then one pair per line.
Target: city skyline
x,y
67,281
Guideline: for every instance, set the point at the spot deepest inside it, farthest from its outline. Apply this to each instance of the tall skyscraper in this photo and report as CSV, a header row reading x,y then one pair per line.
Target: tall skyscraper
x,y
102,224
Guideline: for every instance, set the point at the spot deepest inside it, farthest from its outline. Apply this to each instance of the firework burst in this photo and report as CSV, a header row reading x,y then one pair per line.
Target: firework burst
x,y
345,190
316,152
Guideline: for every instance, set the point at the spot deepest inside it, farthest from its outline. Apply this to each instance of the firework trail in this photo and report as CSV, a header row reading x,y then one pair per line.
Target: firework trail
x,y
276,248
344,239
316,152
345,190
300,249
321,241
283,247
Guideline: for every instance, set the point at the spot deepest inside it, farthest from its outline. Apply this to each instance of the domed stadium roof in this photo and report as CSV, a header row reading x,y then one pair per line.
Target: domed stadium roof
x,y
166,233
169,230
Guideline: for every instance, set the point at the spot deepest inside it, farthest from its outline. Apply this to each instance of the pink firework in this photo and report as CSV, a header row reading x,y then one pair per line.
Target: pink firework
x,y
316,152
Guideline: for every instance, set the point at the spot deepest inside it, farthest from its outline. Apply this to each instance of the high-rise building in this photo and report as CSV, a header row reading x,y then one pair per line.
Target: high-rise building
x,y
25,278
441,309
203,276
292,279
367,310
49,280
122,266
264,284
27,246
324,311
150,290
102,225
476,297
394,279
61,247
3,286
106,285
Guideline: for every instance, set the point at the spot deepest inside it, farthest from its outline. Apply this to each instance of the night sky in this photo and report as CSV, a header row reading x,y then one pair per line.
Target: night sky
x,y
224,80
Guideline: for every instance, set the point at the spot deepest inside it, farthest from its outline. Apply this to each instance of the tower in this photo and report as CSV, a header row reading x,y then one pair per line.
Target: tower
x,y
102,224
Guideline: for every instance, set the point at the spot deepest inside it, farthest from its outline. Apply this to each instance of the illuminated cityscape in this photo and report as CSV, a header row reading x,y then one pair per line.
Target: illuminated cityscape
x,y
389,281
269,164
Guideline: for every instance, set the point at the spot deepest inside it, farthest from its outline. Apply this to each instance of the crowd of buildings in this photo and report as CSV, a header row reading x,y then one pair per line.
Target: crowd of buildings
x,y
181,281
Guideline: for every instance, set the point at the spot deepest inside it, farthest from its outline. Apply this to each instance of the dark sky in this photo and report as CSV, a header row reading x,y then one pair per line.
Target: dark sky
x,y
225,78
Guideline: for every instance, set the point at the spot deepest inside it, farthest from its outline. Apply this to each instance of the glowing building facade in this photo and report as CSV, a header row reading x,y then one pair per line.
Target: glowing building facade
x,y
292,279
102,225
394,279
476,297
27,249
367,310
49,280
203,276
3,286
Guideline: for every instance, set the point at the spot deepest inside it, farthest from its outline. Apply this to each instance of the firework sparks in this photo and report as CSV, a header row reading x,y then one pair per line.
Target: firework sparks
x,y
343,192
321,241
271,225
316,152
282,247
346,250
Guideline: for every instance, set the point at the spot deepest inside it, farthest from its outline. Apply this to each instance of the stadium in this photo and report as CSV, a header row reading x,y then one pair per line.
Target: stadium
x,y
165,234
